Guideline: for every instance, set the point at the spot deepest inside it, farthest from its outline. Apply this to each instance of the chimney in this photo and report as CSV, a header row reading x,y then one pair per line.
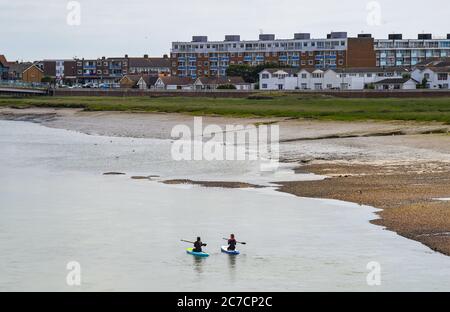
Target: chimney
x,y
126,55
146,56
165,56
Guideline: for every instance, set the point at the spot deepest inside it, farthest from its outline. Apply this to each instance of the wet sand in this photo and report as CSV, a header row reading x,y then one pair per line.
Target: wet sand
x,y
400,167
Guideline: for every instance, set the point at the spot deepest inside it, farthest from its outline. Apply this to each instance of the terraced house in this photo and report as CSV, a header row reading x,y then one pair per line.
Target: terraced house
x,y
203,58
328,79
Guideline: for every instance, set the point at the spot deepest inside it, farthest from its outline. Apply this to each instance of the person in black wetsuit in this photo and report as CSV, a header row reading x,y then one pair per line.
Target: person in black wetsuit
x,y
232,243
198,245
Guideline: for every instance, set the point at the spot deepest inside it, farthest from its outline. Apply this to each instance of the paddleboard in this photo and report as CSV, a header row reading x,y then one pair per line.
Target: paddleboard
x,y
196,254
230,252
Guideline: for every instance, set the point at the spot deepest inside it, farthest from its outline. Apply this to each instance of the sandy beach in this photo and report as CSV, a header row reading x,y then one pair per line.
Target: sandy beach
x,y
400,167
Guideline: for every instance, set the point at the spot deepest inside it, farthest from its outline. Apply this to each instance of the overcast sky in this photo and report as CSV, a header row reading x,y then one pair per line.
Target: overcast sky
x,y
38,29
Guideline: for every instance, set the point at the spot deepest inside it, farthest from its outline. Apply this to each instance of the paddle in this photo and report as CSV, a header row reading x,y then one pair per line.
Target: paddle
x,y
243,243
186,241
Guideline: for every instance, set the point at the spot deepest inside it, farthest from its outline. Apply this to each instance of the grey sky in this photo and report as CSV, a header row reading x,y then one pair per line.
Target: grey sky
x,y
37,29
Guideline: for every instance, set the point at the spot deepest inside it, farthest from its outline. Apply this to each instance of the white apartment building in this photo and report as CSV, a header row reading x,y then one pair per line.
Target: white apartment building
x,y
330,79
396,51
437,77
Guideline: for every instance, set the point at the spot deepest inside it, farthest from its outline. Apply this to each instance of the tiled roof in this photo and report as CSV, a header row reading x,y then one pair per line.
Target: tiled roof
x,y
178,81
19,67
221,80
371,70
440,69
3,61
158,62
395,81
287,70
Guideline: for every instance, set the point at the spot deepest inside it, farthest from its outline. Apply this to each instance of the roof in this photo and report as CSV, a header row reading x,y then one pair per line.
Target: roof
x,y
371,70
435,62
3,61
395,81
149,79
178,81
19,67
445,69
134,78
149,62
221,80
291,71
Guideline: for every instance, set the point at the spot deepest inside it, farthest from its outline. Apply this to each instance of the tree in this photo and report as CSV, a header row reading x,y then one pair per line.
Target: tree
x,y
47,79
250,74
424,83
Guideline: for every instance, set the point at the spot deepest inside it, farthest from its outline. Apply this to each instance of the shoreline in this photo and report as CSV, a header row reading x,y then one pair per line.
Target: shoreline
x,y
402,171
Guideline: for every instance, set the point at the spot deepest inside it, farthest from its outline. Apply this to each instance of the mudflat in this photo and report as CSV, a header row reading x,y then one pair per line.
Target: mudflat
x,y
401,167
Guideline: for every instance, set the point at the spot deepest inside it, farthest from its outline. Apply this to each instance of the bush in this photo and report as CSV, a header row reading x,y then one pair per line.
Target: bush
x,y
226,87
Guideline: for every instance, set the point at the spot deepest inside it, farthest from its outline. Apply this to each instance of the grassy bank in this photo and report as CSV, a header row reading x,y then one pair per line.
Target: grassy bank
x,y
296,106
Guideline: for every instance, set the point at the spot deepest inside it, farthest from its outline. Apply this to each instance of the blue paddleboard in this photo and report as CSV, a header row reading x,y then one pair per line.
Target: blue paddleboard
x,y
230,252
196,254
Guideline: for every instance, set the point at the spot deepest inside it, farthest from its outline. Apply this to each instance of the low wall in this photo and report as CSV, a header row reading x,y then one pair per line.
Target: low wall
x,y
244,94
150,93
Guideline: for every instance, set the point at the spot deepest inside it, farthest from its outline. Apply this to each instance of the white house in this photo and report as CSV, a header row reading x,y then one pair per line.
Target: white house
x,y
213,83
174,83
396,84
437,77
363,78
326,79
278,79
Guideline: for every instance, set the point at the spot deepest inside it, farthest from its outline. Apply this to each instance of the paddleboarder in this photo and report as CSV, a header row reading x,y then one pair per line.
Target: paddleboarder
x,y
232,242
198,244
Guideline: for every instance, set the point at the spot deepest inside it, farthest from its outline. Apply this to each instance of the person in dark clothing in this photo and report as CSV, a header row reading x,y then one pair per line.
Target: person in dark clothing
x,y
198,245
232,243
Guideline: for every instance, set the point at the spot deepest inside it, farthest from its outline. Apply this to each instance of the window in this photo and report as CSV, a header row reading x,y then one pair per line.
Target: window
x,y
105,63
105,72
329,86
304,86
311,53
310,62
341,62
99,72
426,76
442,76
265,76
304,76
264,85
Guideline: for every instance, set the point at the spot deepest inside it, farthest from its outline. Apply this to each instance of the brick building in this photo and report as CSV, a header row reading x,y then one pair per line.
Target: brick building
x,y
203,58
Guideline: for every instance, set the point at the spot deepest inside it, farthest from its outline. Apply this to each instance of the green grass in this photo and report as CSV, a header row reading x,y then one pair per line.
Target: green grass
x,y
295,106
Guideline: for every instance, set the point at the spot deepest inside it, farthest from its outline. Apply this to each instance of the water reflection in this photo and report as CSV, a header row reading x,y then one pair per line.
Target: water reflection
x,y
198,264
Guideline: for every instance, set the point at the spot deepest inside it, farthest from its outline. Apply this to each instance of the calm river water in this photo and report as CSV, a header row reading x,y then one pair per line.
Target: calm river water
x,y
57,207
